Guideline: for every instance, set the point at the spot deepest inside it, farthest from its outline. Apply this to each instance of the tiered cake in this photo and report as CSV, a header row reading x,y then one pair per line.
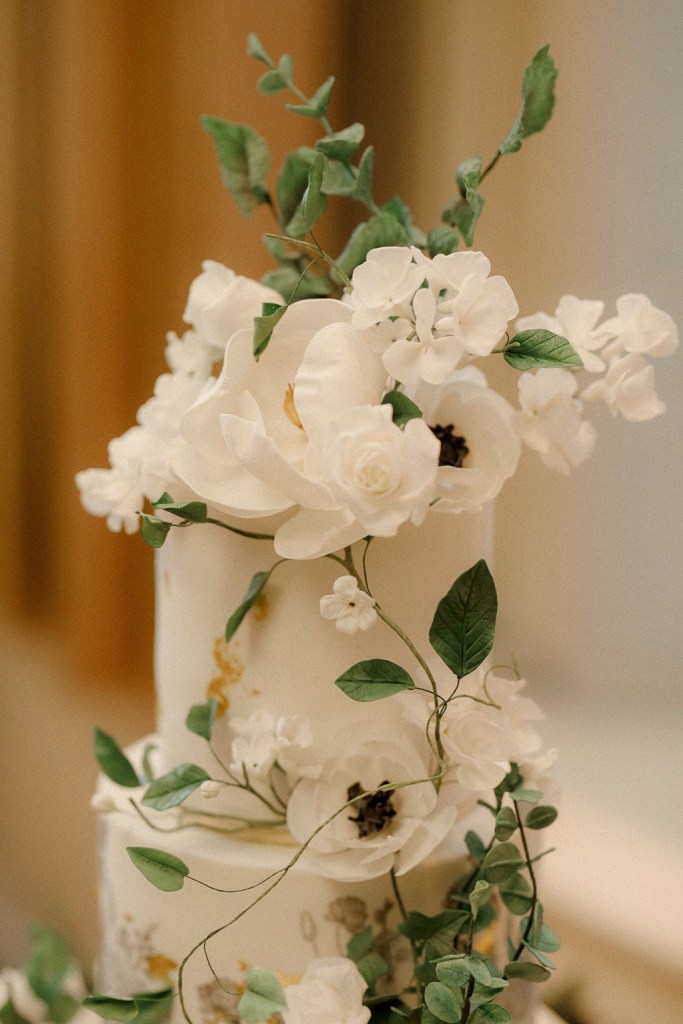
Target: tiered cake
x,y
339,805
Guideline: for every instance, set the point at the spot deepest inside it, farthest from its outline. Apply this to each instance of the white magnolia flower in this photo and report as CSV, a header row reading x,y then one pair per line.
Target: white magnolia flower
x,y
330,992
551,421
220,303
480,446
642,328
628,388
350,607
387,829
576,320
384,285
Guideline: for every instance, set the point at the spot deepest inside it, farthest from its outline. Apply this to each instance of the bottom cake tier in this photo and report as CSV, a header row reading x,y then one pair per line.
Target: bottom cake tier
x,y
147,933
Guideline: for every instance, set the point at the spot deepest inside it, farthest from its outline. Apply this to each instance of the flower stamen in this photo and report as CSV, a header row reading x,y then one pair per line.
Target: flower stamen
x,y
374,810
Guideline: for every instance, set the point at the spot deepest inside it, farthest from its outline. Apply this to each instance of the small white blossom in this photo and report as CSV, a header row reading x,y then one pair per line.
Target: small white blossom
x,y
427,355
350,607
209,789
330,992
642,328
575,319
551,421
384,285
262,739
628,388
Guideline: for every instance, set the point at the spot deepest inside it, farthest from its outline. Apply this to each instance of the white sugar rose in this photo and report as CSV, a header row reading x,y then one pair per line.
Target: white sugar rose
x,y
350,607
479,443
628,388
641,328
550,420
330,992
576,320
220,303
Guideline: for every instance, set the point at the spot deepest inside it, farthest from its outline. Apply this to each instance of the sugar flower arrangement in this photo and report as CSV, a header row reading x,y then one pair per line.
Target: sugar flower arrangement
x,y
351,399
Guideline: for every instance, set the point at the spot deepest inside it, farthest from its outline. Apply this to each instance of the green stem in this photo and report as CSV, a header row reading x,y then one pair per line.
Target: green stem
x,y
532,879
404,915
236,529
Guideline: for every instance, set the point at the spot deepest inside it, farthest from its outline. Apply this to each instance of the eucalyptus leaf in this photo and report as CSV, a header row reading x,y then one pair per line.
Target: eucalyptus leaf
x,y
506,823
464,211
113,761
49,964
317,105
536,348
442,239
286,68
342,145
526,970
163,870
538,100
419,927
263,997
360,943
490,1013
453,971
479,895
526,796
293,286
516,893
463,627
313,202
244,161
444,1002
254,591
540,816
540,956
264,325
501,862
404,409
200,718
153,530
339,179
372,966
292,182
111,1008
478,970
191,511
362,192
475,846
256,49
174,787
373,680
271,82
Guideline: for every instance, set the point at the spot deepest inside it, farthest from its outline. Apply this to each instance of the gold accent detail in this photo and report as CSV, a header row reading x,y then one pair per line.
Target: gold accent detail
x,y
261,607
160,966
230,670
290,408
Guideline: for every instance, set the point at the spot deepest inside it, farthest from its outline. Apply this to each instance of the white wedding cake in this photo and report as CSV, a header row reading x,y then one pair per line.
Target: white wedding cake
x,y
335,820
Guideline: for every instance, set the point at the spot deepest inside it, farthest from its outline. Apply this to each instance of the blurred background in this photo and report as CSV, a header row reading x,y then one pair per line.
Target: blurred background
x,y
110,199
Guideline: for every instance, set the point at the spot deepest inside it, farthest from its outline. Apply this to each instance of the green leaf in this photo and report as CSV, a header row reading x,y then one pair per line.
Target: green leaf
x,y
362,192
542,937
244,161
293,287
506,823
146,764
200,718
501,862
171,789
342,145
535,348
163,870
256,49
443,1002
263,997
382,229
50,963
372,966
490,1013
453,971
286,68
526,970
292,182
404,408
271,82
516,893
373,680
111,1008
464,623
339,179
464,211
526,796
538,100
254,591
478,970
10,1015
192,511
419,927
540,817
113,761
442,239
317,105
154,530
479,895
264,326
360,944
475,846
153,1007
313,203
540,956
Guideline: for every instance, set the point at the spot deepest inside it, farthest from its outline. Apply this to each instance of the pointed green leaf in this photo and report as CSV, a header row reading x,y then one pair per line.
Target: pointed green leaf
x,y
153,1007
382,229
464,211
516,893
256,49
404,409
317,105
526,970
501,862
419,927
171,789
445,1003
540,956
362,192
271,82
479,895
264,326
475,846
339,179
373,680
342,145
113,761
192,511
163,870
442,239
153,530
538,100
285,66
292,182
293,287
263,997
111,1008
200,718
147,773
244,161
360,943
535,348
254,591
464,624
490,1013
506,823
313,203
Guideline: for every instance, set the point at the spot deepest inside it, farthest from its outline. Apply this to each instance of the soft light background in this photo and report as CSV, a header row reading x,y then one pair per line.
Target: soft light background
x,y
110,199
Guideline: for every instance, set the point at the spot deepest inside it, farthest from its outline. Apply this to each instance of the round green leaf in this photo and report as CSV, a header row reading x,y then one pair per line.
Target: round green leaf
x,y
516,893
506,823
443,1002
501,862
111,1008
490,1013
263,997
374,679
527,971
163,870
540,817
453,971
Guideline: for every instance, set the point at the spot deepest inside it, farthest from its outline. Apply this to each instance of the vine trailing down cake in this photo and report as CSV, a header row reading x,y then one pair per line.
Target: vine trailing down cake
x,y
339,820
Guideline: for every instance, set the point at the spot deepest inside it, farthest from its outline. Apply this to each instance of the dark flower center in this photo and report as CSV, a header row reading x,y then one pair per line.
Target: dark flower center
x,y
453,448
374,811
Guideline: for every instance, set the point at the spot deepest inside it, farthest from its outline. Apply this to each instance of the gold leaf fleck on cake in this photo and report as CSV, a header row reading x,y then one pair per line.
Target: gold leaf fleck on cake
x,y
261,607
160,966
230,669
